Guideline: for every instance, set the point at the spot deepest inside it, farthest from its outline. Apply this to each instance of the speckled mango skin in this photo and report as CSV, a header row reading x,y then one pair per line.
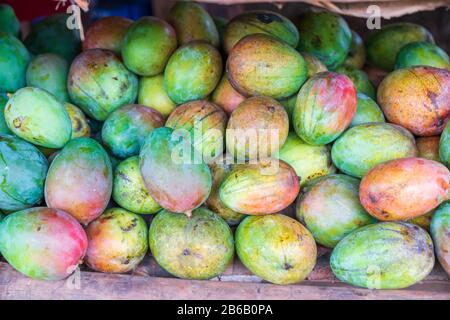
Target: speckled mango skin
x,y
403,189
440,232
22,171
192,23
360,79
107,33
38,117
329,207
192,72
126,128
367,110
80,124
384,44
260,21
428,148
313,64
276,248
444,146
176,185
364,146
387,255
260,64
417,98
200,247
42,243
153,94
118,241
325,106
309,162
249,189
8,20
225,96
255,116
79,180
14,59
356,57
3,126
325,35
129,190
205,122
147,46
99,83
422,54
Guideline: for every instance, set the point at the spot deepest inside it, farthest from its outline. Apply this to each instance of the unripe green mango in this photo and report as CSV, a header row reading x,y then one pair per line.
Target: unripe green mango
x,y
8,20
153,94
440,232
3,127
444,146
360,80
357,55
422,54
367,110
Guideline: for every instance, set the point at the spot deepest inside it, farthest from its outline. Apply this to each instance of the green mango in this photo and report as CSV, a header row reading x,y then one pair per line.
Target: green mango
x,y
440,232
444,146
153,94
357,54
3,126
422,54
49,72
386,255
325,35
8,20
360,80
367,110
38,117
221,24
384,44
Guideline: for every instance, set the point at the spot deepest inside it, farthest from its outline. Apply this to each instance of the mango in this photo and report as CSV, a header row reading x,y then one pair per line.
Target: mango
x,y
200,247
417,98
444,146
260,64
364,146
428,148
153,94
356,57
14,59
99,83
276,248
79,180
422,54
126,128
384,44
404,188
117,241
423,221
191,23
325,35
38,117
147,46
192,72
386,255
8,20
129,190
23,169
329,207
440,232
221,24
225,96
367,110
360,80
313,64
289,105
80,124
325,106
174,172
3,126
42,243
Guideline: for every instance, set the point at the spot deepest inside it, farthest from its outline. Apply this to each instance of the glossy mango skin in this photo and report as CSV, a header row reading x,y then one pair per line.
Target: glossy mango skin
x,y
129,190
422,54
42,243
325,35
200,247
147,46
205,122
99,83
260,21
260,64
80,124
428,148
261,188
79,180
444,146
126,128
356,57
3,126
276,248
383,45
38,117
192,23
440,232
14,59
107,33
118,241
404,188
51,35
22,171
49,71
417,98
248,129
313,64
192,72
308,161
8,20
179,182
325,106
225,96
362,147
329,207
360,80
153,94
367,110
386,255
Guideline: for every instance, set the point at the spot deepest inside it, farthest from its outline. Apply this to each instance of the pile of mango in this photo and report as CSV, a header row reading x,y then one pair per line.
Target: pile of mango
x,y
99,139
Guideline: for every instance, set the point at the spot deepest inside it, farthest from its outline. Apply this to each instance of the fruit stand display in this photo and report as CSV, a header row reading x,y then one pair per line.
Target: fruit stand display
x,y
194,157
